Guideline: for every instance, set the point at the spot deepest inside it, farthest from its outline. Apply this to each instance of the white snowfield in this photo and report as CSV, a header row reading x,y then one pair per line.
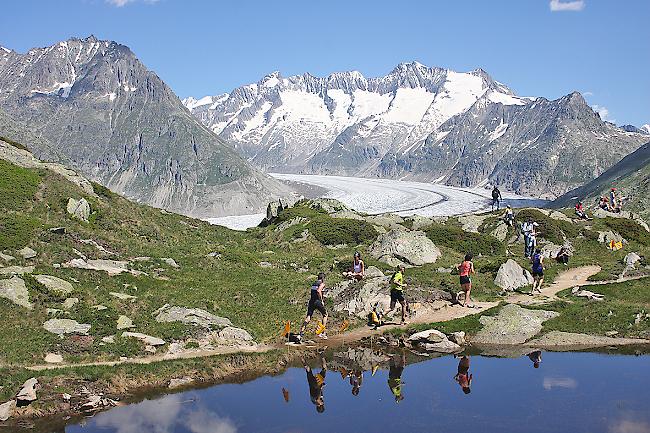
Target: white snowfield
x,y
377,196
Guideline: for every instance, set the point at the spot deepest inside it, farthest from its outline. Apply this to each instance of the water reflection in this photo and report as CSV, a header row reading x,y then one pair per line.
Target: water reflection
x,y
612,397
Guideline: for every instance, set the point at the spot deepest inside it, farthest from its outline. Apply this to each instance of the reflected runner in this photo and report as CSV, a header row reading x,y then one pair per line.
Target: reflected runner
x,y
396,368
316,383
464,377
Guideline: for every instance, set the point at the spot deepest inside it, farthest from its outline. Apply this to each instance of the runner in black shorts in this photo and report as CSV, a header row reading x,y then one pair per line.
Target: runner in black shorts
x,y
397,292
316,302
316,383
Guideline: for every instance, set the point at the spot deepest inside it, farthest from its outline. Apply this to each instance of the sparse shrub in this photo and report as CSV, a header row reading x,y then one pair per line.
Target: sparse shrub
x,y
629,229
336,231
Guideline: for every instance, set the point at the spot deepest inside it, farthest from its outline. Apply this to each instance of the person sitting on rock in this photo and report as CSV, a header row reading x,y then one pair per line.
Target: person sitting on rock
x,y
509,216
563,256
603,203
463,377
358,269
580,211
538,271
397,286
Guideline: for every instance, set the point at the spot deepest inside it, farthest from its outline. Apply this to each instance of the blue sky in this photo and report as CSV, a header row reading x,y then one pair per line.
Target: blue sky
x,y
537,47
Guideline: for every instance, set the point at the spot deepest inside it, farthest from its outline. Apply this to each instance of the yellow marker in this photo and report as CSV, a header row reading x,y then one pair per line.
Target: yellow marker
x,y
287,328
374,369
344,372
320,329
344,326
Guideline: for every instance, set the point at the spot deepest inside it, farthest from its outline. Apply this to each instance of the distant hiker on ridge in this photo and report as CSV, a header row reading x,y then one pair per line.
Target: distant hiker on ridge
x,y
496,197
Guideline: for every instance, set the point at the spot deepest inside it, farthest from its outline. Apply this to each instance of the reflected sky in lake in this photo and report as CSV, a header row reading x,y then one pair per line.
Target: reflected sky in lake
x,y
569,392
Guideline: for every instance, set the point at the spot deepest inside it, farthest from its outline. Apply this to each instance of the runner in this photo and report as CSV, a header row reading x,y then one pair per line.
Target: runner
x,y
496,197
613,202
464,270
356,380
358,269
316,302
538,271
509,216
396,368
397,285
463,377
316,383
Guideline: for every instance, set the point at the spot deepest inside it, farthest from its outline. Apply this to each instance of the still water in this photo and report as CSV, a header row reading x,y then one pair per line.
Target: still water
x,y
568,392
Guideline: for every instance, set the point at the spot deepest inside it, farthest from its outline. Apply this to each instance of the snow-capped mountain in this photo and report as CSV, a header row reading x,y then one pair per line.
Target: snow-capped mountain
x,y
416,122
99,107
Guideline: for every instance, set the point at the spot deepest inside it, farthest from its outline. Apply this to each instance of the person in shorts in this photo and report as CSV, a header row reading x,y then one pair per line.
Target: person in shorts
x,y
316,302
397,285
316,383
538,271
465,269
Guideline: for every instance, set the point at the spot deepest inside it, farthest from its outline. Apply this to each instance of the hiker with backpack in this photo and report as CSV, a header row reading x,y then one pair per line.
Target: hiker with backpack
x,y
496,197
397,286
509,216
316,302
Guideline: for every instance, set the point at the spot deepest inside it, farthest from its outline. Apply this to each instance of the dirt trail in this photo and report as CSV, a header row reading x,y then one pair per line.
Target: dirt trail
x,y
440,312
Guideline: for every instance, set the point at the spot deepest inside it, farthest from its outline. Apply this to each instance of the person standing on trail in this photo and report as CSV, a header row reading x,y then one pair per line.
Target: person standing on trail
x,y
464,270
509,216
496,197
397,285
538,271
316,302
395,370
613,202
316,383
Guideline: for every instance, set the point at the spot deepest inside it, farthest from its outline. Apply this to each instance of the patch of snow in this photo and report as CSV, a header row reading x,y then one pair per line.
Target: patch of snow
x,y
192,103
502,98
645,128
498,132
409,105
111,96
6,50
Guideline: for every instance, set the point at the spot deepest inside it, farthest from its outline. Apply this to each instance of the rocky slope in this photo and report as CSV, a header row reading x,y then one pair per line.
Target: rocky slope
x,y
631,176
121,125
417,122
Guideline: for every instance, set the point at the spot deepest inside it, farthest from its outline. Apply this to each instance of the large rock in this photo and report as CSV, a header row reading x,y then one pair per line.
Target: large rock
x,y
66,326
631,260
388,221
123,322
601,213
606,237
7,410
556,215
550,250
358,298
471,222
16,270
429,336
55,285
69,303
79,209
53,358
511,276
16,291
445,346
111,267
580,293
401,247
513,325
27,253
146,339
27,393
328,205
558,340
6,257
231,336
191,316
434,341
500,232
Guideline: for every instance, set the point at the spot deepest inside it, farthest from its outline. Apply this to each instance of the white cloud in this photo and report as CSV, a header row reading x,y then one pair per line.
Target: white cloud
x,y
587,93
120,3
603,112
561,6
559,382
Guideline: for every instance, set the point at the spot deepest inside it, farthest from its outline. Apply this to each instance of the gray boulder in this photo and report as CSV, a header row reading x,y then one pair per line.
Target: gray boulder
x,y
471,222
434,341
500,232
358,301
630,260
511,276
7,410
191,316
123,322
146,339
79,209
328,205
558,340
513,325
111,267
429,336
458,338
55,285
6,257
16,291
580,293
601,213
171,262
234,335
66,326
69,303
16,270
605,237
418,222
398,247
27,253
27,393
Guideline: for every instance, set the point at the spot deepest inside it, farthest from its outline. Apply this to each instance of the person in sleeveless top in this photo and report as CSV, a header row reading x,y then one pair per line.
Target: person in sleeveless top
x,y
358,269
538,271
316,302
465,269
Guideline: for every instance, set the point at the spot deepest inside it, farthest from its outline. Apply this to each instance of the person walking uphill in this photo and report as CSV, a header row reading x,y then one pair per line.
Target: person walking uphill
x,y
397,292
464,270
496,197
538,271
316,302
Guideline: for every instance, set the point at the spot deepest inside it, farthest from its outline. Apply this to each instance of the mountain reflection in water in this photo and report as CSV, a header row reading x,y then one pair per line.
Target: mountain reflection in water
x,y
360,389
